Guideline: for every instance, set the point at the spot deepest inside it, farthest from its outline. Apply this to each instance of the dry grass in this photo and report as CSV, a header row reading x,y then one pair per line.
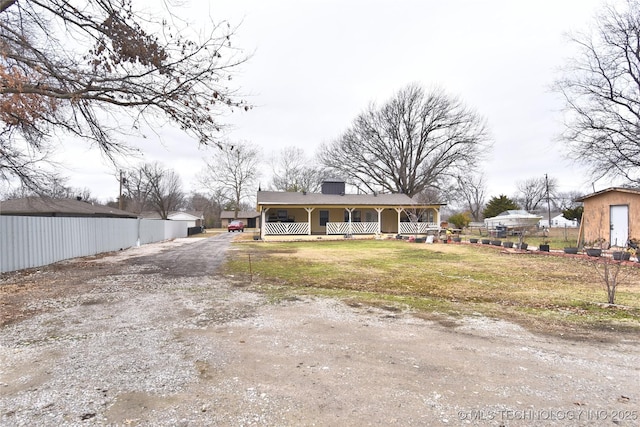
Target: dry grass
x,y
532,289
557,238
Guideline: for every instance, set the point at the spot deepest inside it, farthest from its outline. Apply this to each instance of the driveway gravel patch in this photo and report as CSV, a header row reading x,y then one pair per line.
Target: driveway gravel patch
x,y
155,336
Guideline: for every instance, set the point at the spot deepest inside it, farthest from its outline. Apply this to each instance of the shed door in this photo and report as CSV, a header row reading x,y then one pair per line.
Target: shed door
x,y
619,225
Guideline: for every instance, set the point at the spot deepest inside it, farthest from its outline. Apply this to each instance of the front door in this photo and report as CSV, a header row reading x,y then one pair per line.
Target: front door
x,y
619,226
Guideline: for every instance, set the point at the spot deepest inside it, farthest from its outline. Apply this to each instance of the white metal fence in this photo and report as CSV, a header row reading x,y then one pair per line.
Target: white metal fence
x,y
417,227
284,228
30,241
352,228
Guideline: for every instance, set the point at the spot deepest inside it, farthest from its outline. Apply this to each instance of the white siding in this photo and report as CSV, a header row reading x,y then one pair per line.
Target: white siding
x,y
27,241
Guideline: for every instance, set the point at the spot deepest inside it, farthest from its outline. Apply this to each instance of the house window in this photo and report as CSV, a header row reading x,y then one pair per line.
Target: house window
x,y
282,215
356,216
428,216
324,218
369,217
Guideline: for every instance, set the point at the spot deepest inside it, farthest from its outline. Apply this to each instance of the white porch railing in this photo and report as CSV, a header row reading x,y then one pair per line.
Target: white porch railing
x,y
286,228
417,227
302,228
356,228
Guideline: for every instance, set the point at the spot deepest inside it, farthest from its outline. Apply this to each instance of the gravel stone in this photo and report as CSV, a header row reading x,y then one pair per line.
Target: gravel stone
x,y
155,336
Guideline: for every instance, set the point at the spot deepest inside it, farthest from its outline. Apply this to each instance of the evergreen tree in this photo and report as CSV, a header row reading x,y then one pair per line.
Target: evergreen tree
x,y
573,213
498,205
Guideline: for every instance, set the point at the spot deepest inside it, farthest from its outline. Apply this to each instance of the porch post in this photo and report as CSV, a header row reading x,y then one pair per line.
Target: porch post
x,y
379,210
399,210
350,229
309,210
263,223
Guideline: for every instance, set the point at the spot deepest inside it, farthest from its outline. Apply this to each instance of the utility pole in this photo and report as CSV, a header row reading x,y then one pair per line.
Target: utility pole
x,y
546,182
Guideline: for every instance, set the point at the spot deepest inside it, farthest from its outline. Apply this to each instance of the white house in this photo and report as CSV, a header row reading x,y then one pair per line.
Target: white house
x,y
333,212
192,219
558,221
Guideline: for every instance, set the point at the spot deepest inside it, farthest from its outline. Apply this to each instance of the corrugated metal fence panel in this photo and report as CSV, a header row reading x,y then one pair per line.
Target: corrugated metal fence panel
x,y
7,254
27,242
112,235
175,229
151,230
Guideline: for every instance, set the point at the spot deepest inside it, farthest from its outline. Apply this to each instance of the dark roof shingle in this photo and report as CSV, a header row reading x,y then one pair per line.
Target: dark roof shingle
x,y
44,206
302,199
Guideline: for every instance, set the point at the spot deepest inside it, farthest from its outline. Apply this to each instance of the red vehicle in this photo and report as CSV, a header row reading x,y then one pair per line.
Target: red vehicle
x,y
235,226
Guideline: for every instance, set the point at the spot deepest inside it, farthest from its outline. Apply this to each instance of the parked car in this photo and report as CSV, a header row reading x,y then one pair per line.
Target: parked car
x,y
235,226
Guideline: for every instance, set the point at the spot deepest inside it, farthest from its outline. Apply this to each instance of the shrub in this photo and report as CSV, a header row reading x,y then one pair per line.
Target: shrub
x,y
460,220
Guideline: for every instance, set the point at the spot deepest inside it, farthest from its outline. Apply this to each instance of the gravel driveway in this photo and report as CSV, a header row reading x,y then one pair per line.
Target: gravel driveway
x,y
155,336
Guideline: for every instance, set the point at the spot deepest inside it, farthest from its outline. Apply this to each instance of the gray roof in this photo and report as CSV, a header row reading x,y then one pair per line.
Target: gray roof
x,y
156,215
266,198
241,214
45,206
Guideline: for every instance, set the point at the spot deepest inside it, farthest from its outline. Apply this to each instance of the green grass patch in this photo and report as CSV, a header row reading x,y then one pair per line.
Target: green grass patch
x,y
529,288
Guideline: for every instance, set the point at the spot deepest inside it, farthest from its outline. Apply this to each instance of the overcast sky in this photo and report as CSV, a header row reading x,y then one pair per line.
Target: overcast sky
x,y
316,64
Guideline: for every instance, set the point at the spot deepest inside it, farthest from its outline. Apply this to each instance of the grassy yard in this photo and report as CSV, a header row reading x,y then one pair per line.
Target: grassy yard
x,y
557,238
554,293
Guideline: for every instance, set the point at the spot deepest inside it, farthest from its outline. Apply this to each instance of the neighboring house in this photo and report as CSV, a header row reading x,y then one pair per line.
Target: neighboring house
x,y
193,219
558,221
251,219
45,206
612,215
333,212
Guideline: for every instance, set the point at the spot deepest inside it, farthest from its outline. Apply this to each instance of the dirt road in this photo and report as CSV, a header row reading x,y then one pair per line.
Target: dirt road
x,y
155,336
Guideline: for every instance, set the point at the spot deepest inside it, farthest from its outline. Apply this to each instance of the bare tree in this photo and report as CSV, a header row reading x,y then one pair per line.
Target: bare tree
x,y
234,172
57,189
601,87
609,272
165,190
566,200
472,192
532,192
200,202
153,187
414,141
124,66
292,171
136,189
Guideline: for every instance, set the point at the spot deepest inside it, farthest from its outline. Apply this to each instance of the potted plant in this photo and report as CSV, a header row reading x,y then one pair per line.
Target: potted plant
x,y
632,247
522,245
473,240
486,241
594,252
507,244
544,246
621,255
571,250
496,242
626,253
594,248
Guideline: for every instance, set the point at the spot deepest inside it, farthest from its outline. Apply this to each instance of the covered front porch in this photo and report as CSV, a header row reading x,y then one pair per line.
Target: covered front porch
x,y
348,221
